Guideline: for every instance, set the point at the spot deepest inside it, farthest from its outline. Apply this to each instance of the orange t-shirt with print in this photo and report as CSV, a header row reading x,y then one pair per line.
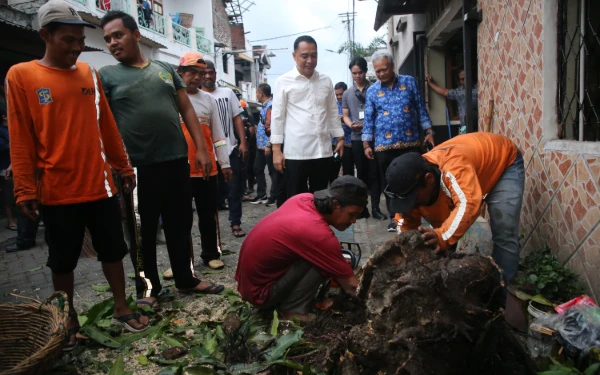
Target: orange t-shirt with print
x,y
53,126
208,141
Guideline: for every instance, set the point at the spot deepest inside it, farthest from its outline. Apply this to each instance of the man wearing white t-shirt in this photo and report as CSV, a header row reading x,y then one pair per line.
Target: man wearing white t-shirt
x,y
229,108
205,190
304,117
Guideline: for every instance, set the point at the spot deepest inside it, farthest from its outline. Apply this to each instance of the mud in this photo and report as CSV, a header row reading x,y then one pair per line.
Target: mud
x,y
418,313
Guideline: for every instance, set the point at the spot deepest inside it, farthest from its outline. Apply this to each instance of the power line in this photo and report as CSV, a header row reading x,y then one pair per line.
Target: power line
x,y
285,36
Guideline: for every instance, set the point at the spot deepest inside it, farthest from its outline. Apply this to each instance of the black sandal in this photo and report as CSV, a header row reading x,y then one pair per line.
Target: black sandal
x,y
72,332
121,321
154,305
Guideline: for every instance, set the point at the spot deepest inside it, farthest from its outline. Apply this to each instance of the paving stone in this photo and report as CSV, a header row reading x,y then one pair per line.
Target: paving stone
x,y
14,267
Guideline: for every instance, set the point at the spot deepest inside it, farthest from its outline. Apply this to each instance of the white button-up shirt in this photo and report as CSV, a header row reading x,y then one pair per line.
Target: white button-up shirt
x,y
304,115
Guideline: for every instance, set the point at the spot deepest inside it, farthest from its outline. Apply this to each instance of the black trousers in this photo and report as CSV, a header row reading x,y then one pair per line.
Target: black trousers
x,y
164,190
384,159
303,176
367,171
346,162
205,194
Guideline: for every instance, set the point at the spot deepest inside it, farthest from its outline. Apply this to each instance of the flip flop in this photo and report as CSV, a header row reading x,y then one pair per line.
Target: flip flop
x,y
70,333
121,321
154,305
12,227
215,264
239,232
211,289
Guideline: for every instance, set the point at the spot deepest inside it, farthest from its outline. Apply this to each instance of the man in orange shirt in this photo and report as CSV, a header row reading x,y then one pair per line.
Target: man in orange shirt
x,y
447,186
61,125
205,191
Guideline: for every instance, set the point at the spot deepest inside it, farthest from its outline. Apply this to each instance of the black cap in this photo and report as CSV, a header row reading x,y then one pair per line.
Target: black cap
x,y
210,65
403,176
348,190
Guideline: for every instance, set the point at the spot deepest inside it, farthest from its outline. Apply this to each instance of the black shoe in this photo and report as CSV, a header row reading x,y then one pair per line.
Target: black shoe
x,y
391,227
364,214
223,207
259,200
15,248
377,214
271,202
249,191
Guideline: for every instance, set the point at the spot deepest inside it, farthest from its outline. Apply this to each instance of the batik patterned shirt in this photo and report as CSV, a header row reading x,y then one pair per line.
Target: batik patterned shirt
x,y
460,95
391,115
261,135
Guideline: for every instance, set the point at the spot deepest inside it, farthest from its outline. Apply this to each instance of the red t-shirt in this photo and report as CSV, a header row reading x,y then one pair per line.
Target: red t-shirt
x,y
295,231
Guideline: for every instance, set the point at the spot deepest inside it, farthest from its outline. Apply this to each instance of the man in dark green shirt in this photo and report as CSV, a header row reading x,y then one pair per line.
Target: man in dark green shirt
x,y
146,98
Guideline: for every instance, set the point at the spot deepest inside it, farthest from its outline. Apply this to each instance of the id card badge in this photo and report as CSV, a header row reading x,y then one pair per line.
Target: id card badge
x,y
361,115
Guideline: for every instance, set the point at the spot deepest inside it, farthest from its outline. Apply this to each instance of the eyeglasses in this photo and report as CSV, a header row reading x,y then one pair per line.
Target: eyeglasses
x,y
404,195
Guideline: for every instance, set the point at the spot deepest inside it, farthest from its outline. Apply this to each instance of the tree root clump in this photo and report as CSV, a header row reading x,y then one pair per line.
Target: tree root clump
x,y
427,314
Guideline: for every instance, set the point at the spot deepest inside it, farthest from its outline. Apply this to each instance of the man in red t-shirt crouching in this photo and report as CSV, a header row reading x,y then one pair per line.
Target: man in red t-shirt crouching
x,y
282,269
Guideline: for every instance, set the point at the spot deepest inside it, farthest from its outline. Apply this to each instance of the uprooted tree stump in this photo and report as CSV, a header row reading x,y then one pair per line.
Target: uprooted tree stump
x,y
423,313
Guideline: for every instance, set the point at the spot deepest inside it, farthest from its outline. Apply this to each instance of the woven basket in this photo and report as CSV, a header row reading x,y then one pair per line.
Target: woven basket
x,y
32,335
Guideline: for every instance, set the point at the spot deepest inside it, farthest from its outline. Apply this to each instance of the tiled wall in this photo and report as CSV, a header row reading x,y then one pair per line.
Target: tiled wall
x,y
561,206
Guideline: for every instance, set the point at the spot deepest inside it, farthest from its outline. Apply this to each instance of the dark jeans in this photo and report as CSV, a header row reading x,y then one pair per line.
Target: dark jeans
x,y
236,188
303,176
260,162
367,171
384,159
205,193
223,188
164,190
251,177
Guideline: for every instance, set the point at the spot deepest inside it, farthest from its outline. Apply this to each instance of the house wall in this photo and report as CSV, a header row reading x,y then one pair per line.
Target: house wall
x,y
404,39
517,70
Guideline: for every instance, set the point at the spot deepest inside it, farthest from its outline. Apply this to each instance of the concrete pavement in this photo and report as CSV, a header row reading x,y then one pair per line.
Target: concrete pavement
x,y
24,273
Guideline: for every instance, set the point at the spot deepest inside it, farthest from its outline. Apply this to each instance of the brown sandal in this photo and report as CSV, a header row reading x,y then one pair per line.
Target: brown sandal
x,y
238,232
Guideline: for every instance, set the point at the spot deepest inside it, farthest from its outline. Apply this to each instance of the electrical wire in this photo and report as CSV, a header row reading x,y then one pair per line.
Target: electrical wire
x,y
285,36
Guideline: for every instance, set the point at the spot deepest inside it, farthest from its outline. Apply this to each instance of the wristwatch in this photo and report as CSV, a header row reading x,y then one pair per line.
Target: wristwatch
x,y
429,131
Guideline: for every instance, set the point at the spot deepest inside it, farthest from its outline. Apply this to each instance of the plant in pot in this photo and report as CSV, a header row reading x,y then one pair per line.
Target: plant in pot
x,y
546,282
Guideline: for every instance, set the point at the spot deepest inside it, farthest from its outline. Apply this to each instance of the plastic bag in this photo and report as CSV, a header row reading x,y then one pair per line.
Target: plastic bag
x,y
579,301
578,327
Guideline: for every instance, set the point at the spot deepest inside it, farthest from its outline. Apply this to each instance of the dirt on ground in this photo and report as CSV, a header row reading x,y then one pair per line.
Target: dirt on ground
x,y
417,313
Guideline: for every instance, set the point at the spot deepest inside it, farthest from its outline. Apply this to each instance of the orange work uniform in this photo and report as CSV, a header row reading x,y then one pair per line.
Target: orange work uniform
x,y
470,166
60,124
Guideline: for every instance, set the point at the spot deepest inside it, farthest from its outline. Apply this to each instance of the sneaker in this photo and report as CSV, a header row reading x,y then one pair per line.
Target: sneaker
x,y
259,200
271,202
391,227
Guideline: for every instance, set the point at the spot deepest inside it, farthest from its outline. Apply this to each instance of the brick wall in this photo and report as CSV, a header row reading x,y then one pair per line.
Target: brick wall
x,y
561,206
221,23
238,40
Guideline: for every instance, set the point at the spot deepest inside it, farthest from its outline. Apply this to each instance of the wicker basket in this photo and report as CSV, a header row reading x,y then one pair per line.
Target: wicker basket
x,y
32,335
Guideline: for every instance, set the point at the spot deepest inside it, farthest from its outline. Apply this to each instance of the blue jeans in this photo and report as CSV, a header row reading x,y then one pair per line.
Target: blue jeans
x,y
236,189
504,207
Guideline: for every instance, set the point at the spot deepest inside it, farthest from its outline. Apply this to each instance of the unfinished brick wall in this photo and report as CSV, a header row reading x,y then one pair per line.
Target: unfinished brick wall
x,y
561,205
238,39
221,23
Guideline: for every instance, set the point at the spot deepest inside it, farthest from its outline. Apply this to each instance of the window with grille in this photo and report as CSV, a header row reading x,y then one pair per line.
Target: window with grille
x,y
578,70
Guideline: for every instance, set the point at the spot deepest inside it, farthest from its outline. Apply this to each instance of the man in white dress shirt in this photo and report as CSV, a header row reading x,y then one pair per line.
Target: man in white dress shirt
x,y
304,117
